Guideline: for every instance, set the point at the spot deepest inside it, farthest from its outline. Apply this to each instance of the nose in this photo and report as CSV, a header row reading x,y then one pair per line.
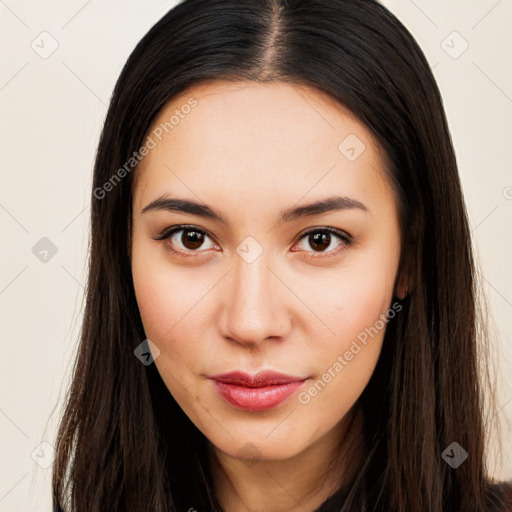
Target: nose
x,y
255,304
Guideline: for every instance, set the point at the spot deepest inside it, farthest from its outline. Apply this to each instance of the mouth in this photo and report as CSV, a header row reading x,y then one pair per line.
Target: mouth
x,y
261,392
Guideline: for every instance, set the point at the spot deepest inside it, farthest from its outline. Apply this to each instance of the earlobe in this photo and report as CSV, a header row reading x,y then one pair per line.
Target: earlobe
x,y
402,291
405,281
403,287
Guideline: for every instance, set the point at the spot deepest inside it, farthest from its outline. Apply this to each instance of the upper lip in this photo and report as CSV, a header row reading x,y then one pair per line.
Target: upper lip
x,y
261,379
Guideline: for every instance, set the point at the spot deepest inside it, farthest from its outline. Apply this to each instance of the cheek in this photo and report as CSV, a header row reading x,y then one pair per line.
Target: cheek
x,y
164,297
355,303
173,310
345,361
158,301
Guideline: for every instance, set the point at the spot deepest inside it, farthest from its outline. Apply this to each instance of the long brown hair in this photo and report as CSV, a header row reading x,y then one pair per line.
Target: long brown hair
x,y
123,442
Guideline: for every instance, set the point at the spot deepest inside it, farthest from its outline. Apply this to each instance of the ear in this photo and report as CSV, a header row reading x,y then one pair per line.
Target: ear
x,y
402,287
404,281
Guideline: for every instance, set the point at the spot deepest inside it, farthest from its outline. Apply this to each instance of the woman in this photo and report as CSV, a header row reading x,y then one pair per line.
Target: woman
x,y
281,312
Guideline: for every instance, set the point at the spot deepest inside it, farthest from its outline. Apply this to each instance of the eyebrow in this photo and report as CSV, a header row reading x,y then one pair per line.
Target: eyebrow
x,y
329,204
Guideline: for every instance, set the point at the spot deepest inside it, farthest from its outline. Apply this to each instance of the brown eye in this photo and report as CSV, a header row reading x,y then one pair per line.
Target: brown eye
x,y
320,240
186,240
192,239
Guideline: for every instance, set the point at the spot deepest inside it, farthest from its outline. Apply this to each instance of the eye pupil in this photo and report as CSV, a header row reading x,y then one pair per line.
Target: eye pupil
x,y
192,239
322,239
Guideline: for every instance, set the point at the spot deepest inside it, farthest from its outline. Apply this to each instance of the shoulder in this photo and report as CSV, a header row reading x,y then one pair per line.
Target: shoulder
x,y
499,496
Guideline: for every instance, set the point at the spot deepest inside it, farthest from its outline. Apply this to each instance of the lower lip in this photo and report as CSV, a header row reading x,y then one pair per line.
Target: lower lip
x,y
256,399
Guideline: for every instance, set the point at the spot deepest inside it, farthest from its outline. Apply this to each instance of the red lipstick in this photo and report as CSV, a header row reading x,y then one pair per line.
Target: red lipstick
x,y
260,392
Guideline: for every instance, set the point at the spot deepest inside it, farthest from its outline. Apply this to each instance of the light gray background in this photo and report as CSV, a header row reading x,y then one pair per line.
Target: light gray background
x,y
52,112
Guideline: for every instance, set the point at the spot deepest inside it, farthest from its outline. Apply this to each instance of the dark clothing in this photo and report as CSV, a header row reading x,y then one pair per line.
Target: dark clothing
x,y
499,498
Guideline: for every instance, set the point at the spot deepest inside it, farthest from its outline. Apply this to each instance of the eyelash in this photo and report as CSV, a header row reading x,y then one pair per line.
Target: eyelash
x,y
346,240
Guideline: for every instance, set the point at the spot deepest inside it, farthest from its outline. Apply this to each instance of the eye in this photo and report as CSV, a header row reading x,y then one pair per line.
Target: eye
x,y
191,239
321,239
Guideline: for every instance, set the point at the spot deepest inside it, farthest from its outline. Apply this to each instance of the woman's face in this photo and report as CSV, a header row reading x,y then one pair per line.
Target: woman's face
x,y
269,288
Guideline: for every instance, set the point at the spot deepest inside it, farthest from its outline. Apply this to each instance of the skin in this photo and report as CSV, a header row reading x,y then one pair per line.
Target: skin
x,y
250,151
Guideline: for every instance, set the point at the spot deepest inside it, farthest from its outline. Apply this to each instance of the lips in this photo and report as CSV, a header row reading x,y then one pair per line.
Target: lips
x,y
263,391
259,380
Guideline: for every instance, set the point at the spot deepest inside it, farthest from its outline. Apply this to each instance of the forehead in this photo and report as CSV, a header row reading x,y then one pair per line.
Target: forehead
x,y
240,135
271,110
